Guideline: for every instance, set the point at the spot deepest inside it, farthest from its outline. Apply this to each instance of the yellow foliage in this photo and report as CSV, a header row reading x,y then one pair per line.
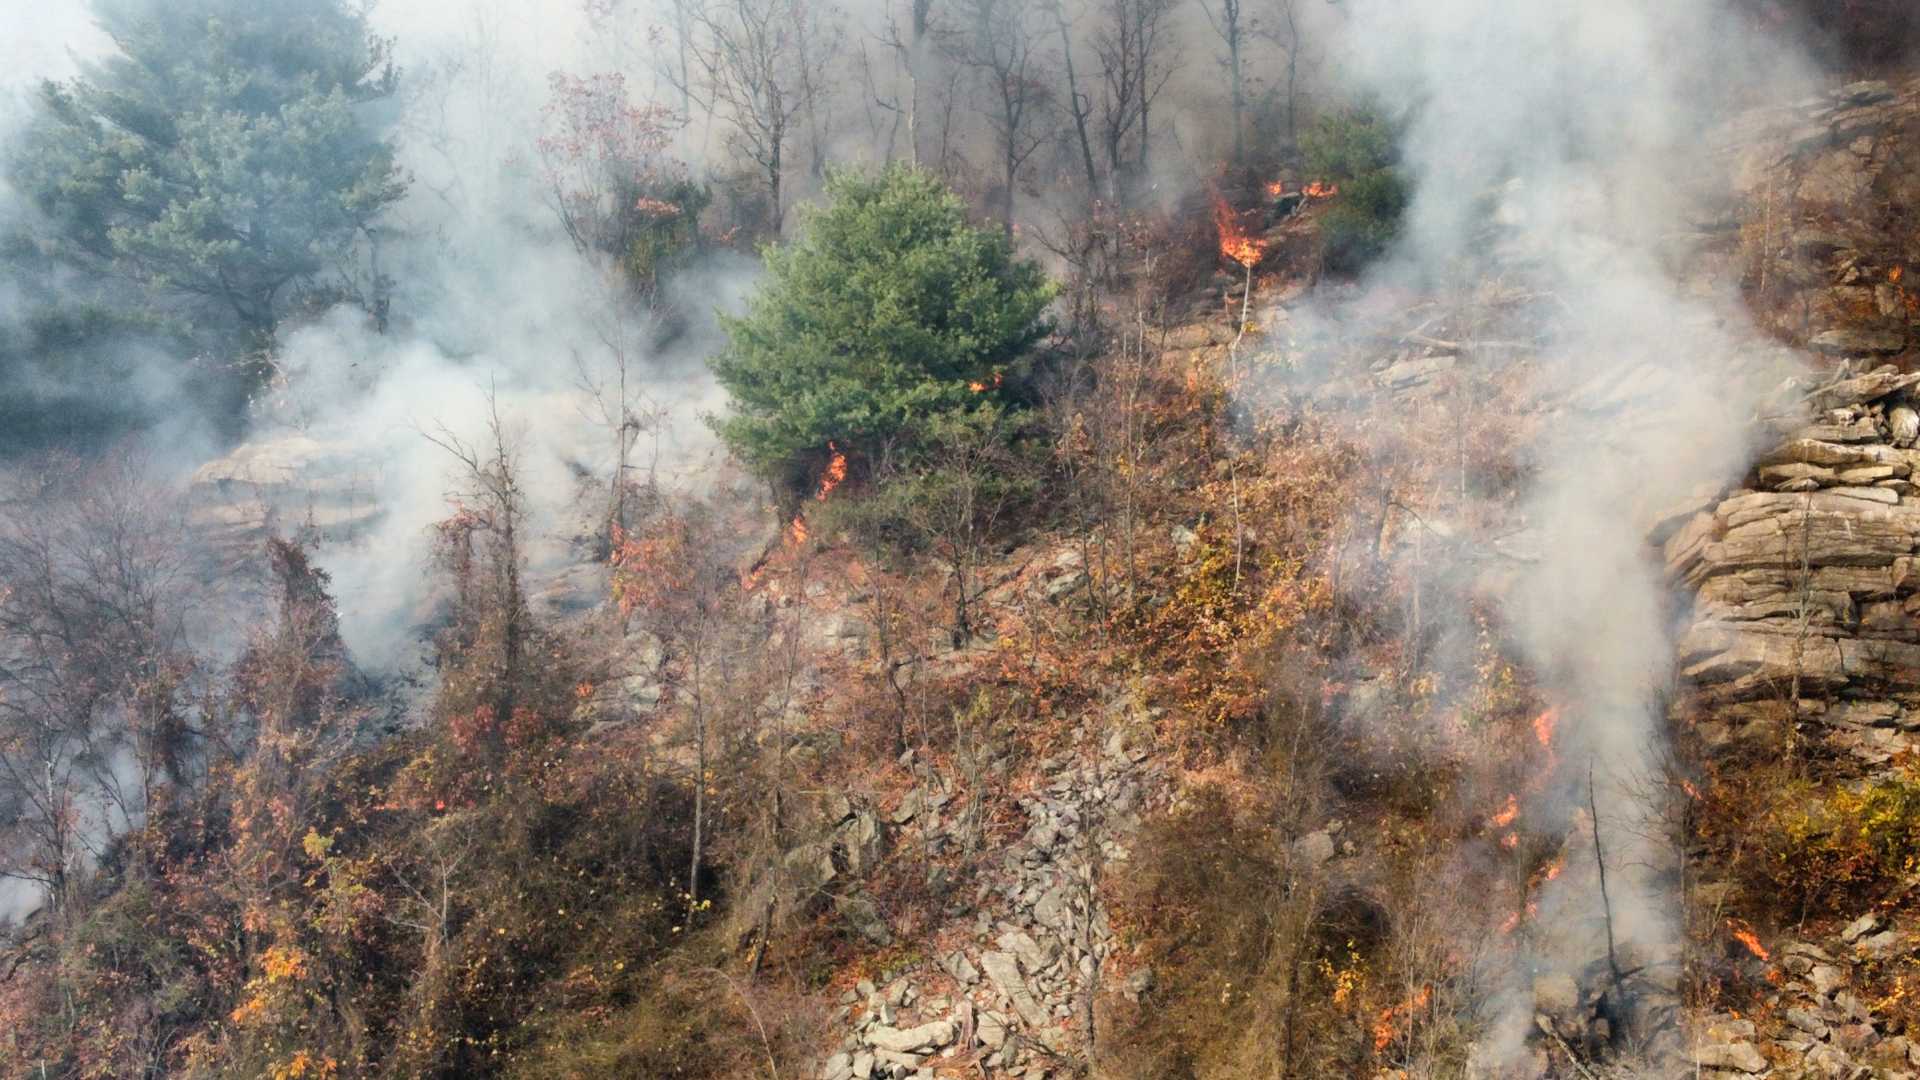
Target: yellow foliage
x,y
304,1066
1845,840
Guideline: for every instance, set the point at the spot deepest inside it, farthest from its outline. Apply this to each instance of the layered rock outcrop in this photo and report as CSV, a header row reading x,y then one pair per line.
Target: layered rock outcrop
x,y
1804,583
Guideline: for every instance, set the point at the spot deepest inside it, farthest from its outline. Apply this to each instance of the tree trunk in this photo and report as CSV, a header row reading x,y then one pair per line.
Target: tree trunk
x,y
773,188
1078,105
1012,167
699,788
1239,96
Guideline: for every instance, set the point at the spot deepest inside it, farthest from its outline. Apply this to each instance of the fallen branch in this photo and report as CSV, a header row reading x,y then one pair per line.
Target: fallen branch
x,y
1600,861
1571,1059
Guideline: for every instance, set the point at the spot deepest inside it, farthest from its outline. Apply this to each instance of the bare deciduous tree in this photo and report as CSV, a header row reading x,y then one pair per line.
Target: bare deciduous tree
x,y
1131,43
93,660
998,43
1284,31
911,50
675,577
762,66
974,480
1226,18
1079,104
487,556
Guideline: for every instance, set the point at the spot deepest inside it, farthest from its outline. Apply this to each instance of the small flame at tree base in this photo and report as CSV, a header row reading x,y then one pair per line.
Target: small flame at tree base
x,y
836,472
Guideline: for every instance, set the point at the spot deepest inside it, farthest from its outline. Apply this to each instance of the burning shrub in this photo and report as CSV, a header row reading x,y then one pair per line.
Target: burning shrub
x,y
1356,150
889,310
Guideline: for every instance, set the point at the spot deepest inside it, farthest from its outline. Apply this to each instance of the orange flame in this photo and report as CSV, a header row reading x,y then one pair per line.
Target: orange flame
x,y
1894,275
1387,1026
979,387
1553,869
1543,727
1320,190
836,472
1544,724
1508,813
1235,244
1276,188
1746,937
1692,792
797,532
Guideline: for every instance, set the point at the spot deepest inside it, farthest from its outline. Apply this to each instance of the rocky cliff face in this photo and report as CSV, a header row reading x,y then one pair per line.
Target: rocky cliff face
x,y
1804,584
1802,640
1799,589
1823,202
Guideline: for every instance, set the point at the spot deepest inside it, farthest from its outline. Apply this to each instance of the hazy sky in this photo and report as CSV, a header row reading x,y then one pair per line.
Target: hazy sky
x,y
35,36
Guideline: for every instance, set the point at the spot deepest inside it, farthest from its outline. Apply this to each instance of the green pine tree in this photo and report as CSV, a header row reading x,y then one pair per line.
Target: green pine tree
x,y
890,310
220,160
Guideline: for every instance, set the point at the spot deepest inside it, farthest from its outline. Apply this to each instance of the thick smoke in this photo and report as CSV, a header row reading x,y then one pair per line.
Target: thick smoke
x,y
1574,132
491,309
41,39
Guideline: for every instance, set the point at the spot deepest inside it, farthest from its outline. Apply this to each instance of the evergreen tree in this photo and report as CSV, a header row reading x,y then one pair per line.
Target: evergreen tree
x,y
220,161
890,310
1358,150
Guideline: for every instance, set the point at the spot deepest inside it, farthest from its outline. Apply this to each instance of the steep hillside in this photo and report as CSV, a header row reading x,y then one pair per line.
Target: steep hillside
x,y
1501,663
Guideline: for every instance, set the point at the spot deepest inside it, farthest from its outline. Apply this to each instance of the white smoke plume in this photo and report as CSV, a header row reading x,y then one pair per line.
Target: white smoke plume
x,y
1579,129
491,307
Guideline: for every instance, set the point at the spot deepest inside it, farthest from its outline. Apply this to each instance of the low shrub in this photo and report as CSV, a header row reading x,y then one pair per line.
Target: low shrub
x,y
1357,149
1820,846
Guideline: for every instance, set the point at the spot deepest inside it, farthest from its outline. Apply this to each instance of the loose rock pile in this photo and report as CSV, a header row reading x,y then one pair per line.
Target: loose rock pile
x,y
1829,1031
1007,996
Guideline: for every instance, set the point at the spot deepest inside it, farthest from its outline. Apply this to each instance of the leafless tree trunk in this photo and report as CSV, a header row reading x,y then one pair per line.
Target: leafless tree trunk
x,y
683,18
1134,69
489,478
998,44
1284,32
616,400
1225,17
960,516
1079,105
92,660
697,658
912,51
763,64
